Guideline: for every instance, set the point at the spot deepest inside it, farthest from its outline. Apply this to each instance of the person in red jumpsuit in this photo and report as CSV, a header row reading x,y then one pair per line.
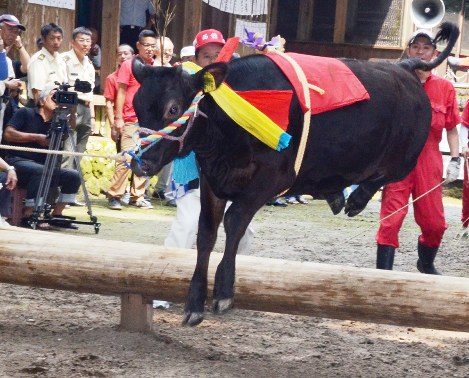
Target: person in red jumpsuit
x,y
463,136
428,173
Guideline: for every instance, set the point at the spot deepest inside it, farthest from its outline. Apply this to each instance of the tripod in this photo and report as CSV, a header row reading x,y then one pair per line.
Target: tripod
x,y
59,132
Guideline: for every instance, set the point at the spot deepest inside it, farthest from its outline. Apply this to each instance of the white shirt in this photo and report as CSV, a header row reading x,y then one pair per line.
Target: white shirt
x,y
83,70
45,69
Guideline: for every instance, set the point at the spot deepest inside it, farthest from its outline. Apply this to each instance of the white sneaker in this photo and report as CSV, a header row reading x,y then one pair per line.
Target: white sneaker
x,y
4,223
161,304
125,199
142,204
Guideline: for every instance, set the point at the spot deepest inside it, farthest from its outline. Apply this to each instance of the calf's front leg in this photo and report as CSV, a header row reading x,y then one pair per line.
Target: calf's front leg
x,y
210,217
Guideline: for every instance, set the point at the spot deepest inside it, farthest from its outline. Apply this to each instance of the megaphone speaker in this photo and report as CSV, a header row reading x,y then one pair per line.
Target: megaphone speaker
x,y
427,13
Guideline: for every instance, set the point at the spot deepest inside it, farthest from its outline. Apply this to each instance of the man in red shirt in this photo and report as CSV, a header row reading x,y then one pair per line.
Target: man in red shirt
x,y
125,124
464,131
124,52
428,173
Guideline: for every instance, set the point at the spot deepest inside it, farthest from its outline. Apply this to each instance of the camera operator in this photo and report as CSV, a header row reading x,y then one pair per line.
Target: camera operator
x,y
80,67
30,127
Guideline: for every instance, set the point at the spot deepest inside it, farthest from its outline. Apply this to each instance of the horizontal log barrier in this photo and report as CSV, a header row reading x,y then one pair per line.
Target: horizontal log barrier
x,y
140,272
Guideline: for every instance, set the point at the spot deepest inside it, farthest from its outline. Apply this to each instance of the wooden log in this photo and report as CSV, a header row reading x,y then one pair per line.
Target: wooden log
x,y
82,264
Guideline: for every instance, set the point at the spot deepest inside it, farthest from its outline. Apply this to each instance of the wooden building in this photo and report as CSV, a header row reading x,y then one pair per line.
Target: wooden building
x,y
362,29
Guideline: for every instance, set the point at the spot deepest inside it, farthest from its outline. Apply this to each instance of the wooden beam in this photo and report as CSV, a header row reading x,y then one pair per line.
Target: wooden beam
x,y
66,262
461,17
305,20
192,21
109,37
340,20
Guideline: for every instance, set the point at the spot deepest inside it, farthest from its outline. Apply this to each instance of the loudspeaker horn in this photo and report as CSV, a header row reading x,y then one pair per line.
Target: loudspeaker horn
x,y
427,13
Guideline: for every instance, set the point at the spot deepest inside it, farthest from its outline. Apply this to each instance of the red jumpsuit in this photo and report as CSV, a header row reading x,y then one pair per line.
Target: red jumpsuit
x,y
428,211
465,190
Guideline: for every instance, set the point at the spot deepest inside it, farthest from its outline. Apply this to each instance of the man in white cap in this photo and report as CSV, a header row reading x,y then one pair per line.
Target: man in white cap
x,y
424,180
10,33
187,54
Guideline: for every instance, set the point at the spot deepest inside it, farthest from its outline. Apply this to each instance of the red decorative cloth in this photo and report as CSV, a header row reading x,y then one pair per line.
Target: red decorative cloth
x,y
274,104
340,84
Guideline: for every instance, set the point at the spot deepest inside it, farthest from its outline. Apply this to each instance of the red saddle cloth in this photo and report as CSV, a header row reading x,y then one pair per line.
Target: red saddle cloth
x,y
340,84
341,87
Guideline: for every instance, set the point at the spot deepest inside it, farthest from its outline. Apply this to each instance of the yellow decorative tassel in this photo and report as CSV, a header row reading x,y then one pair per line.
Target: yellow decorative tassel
x,y
243,113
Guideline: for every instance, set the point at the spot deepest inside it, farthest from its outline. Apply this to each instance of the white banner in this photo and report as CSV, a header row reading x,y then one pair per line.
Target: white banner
x,y
256,27
67,4
240,7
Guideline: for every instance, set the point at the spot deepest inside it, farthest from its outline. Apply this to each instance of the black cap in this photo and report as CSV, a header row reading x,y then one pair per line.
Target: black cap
x,y
12,21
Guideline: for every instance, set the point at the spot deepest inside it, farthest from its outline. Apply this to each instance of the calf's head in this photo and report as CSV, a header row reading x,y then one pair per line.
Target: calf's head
x,y
164,95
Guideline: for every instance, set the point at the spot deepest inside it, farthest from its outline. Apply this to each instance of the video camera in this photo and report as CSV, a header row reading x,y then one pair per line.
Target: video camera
x,y
66,99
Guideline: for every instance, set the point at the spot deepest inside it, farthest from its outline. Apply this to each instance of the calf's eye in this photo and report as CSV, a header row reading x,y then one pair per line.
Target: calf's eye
x,y
173,110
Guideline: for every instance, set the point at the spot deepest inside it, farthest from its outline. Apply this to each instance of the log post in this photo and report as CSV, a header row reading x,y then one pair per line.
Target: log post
x,y
136,313
67,262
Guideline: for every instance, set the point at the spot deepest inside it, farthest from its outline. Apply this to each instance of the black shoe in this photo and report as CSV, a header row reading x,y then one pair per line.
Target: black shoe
x,y
63,224
76,203
159,194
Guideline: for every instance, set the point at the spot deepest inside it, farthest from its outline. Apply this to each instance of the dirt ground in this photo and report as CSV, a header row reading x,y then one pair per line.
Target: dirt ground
x,y
62,334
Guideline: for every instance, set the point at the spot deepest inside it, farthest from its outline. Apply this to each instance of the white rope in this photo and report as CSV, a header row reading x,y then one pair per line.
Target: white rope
x,y
117,157
395,212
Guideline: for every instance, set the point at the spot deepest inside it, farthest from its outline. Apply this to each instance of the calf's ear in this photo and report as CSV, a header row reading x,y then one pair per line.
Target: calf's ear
x,y
212,76
138,69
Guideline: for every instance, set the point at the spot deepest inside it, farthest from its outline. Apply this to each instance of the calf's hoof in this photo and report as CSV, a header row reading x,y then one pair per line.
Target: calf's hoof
x,y
221,306
336,202
352,209
192,318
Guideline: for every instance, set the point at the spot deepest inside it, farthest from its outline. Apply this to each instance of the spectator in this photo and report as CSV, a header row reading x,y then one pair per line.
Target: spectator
x,y
30,127
164,52
163,56
8,180
46,66
125,125
95,57
465,153
208,44
428,210
187,54
124,52
133,19
79,67
10,30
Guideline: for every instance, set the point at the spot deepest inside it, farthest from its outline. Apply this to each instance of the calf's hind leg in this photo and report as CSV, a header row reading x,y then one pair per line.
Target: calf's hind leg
x,y
360,197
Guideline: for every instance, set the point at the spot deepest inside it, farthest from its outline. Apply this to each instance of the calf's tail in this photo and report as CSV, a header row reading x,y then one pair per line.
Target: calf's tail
x,y
448,32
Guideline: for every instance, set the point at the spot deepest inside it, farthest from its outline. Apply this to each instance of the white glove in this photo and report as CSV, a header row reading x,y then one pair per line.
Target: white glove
x,y
452,173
